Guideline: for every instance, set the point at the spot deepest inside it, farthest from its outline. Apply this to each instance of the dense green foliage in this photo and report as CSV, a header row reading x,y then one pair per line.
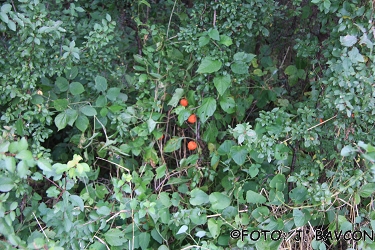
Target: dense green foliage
x,y
93,151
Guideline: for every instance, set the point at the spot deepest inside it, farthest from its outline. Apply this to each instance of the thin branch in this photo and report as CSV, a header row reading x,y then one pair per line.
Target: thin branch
x,y
41,228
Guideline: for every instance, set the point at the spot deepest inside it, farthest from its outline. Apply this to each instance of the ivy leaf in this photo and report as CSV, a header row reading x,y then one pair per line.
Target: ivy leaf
x,y
173,144
222,83
209,66
207,109
213,227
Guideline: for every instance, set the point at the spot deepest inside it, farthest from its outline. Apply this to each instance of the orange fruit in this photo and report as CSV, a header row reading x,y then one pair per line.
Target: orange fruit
x,y
320,120
192,118
184,102
192,145
162,137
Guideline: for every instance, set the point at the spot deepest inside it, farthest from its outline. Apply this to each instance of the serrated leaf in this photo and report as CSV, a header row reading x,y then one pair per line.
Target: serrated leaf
x,y
62,84
291,70
203,40
222,83
228,104
60,104
225,40
209,66
207,109
240,68
214,34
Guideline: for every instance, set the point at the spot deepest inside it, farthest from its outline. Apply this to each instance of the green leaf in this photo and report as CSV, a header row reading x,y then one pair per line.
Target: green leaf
x,y
228,104
160,171
6,8
144,240
255,198
61,120
60,104
203,40
347,150
239,154
4,146
182,229
209,66
225,40
278,182
6,184
291,70
76,88
101,101
37,99
9,163
240,68
82,123
300,217
62,84
348,40
4,17
113,93
88,110
115,237
298,194
222,83
198,197
225,147
103,210
100,83
214,34
11,25
219,201
24,155
367,190
72,73
173,144
260,214
207,109
243,57
213,227
71,116
151,124
23,169
178,93
44,165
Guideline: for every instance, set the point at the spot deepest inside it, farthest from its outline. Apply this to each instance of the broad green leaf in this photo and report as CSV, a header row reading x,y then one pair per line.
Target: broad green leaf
x,y
260,213
255,198
214,34
219,201
278,182
213,227
301,217
367,190
298,194
239,154
182,229
113,93
9,163
101,101
240,68
82,123
103,210
23,169
60,104
88,110
225,40
62,84
20,128
144,240
24,155
71,73
61,120
44,165
71,116
198,217
173,144
4,17
4,146
348,40
11,25
347,150
37,99
100,83
6,8
6,184
178,93
207,109
291,70
222,83
243,57
204,40
225,147
76,88
115,237
198,197
228,104
208,65
160,171
151,124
